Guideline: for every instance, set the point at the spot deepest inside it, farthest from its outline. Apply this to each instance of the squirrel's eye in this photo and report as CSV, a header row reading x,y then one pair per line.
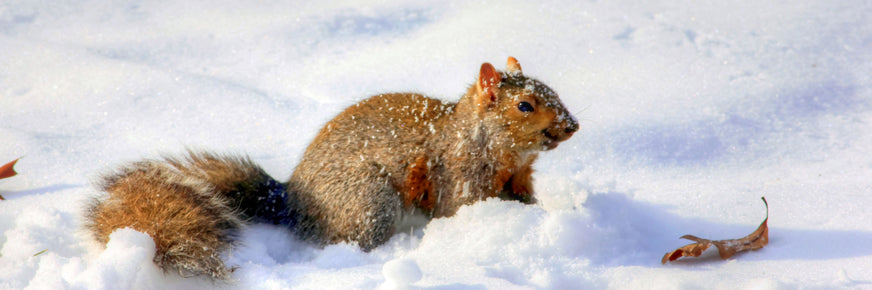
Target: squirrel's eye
x,y
525,107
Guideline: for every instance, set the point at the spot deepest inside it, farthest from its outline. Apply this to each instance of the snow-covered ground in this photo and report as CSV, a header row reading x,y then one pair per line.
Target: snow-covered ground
x,y
691,111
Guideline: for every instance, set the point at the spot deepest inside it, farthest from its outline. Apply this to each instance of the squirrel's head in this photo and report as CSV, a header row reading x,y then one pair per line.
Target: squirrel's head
x,y
522,109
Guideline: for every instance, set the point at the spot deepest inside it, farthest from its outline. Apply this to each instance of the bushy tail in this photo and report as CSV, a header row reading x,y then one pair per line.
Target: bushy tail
x,y
192,207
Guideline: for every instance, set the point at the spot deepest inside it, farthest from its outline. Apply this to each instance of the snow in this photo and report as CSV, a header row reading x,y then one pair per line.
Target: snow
x,y
401,273
690,112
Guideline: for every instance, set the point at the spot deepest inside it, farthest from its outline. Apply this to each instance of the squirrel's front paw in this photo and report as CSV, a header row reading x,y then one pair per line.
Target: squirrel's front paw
x,y
525,196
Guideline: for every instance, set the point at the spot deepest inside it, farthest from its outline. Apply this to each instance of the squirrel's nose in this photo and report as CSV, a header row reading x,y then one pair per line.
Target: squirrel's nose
x,y
571,126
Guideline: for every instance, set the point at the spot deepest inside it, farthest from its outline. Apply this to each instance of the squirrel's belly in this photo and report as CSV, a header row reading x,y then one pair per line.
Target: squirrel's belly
x,y
410,220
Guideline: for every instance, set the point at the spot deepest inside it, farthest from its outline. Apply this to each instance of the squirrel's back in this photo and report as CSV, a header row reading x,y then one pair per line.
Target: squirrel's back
x,y
384,129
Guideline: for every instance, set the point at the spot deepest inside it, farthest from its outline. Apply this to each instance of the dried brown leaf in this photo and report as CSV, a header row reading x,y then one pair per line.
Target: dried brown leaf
x,y
726,248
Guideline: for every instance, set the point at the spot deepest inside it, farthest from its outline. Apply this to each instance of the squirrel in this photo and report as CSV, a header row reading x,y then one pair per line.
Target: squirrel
x,y
378,163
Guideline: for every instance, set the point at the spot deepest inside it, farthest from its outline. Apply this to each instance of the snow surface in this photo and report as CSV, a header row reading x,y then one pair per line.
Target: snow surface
x,y
690,112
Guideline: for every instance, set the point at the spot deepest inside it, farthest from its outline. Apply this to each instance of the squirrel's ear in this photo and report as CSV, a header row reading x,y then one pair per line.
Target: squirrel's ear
x,y
512,66
488,81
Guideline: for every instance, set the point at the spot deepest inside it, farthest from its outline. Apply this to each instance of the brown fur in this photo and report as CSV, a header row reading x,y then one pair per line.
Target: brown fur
x,y
381,159
425,154
189,225
417,188
190,207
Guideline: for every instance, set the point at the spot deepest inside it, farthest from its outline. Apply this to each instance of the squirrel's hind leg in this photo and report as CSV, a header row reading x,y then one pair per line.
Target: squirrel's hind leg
x,y
363,206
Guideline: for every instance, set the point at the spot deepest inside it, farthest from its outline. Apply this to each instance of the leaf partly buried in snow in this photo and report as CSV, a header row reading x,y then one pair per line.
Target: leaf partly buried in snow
x,y
7,170
726,248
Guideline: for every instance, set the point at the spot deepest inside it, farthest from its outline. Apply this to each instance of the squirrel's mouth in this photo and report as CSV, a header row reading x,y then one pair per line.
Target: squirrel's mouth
x,y
551,141
549,145
555,135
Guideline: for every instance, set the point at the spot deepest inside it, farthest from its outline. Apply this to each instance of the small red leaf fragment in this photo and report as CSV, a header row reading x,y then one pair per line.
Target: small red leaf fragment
x,y
726,248
7,170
